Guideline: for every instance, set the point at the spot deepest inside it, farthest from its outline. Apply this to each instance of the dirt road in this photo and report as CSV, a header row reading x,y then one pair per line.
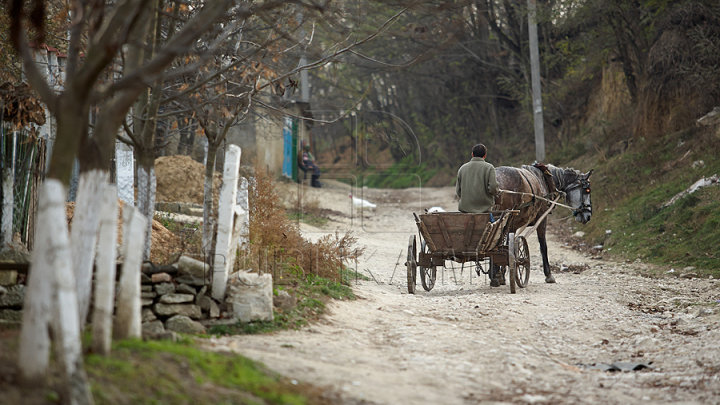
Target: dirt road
x,y
467,343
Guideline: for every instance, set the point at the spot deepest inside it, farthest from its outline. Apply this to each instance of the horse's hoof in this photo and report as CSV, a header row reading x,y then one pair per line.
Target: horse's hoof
x,y
494,283
550,280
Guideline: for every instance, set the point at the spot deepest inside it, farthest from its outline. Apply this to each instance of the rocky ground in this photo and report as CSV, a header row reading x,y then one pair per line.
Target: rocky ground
x,y
467,343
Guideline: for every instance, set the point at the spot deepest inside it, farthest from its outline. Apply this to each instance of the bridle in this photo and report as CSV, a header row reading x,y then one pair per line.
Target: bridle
x,y
584,185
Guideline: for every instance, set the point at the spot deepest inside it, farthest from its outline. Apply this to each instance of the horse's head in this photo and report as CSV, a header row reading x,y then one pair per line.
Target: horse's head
x,y
577,195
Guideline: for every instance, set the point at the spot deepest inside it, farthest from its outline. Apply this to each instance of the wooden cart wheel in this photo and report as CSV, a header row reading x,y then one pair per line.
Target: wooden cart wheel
x,y
411,265
522,261
427,274
512,269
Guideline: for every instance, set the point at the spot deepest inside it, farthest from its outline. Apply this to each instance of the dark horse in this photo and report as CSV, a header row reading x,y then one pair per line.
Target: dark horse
x,y
529,182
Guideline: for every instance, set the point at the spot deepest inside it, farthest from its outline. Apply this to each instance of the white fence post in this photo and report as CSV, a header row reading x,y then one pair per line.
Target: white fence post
x,y
128,319
244,203
224,252
8,203
105,275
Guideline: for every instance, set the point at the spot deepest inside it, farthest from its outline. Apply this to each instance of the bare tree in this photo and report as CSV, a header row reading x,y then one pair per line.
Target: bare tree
x,y
100,33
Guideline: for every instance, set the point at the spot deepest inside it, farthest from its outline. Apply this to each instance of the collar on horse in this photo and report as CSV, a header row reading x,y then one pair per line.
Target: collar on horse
x,y
547,176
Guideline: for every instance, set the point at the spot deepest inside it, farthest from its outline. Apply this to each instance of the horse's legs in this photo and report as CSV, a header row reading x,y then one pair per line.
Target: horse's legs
x,y
543,251
497,276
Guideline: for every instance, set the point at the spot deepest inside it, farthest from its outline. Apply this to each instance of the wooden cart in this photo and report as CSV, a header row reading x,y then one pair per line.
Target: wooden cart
x,y
463,238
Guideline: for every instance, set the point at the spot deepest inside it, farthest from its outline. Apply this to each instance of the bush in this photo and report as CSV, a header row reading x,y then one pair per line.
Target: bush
x,y
276,240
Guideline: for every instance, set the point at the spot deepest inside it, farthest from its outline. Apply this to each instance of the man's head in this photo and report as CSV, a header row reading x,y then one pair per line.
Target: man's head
x,y
479,150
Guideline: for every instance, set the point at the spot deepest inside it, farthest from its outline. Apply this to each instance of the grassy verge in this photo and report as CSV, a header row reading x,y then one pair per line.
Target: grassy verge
x,y
628,197
312,293
162,372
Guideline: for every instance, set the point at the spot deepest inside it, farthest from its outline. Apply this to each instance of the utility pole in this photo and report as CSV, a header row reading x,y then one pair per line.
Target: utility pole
x,y
535,74
304,80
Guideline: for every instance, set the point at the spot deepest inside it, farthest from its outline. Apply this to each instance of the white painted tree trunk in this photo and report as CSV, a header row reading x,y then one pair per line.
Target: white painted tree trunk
x,y
34,354
65,322
105,275
128,319
83,235
147,187
8,203
224,251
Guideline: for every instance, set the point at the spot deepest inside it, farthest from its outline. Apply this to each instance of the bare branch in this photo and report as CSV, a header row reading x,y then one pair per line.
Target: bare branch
x,y
343,115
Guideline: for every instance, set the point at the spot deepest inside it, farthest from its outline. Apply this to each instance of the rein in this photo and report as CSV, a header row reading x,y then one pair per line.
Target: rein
x,y
540,198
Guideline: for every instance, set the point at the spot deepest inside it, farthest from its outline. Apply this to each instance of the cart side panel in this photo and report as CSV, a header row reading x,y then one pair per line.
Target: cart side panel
x,y
448,231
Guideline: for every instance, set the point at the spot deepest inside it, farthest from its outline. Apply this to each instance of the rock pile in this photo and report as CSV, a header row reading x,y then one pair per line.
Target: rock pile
x,y
12,294
175,297
11,302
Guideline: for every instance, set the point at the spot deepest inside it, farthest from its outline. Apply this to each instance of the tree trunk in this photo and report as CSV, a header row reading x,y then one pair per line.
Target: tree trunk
x,y
83,235
105,279
208,208
128,319
65,323
72,126
38,306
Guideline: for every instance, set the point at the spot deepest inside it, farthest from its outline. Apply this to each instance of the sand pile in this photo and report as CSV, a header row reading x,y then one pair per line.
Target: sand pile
x,y
164,242
181,179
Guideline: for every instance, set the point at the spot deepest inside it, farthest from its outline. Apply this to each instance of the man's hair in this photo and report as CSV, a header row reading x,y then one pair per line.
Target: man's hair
x,y
479,150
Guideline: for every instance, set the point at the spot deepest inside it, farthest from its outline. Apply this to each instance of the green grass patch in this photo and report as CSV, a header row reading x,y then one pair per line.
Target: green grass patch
x,y
406,173
140,372
157,372
312,292
308,218
628,199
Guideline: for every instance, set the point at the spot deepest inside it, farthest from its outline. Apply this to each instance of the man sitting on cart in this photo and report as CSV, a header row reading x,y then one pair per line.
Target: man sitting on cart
x,y
476,183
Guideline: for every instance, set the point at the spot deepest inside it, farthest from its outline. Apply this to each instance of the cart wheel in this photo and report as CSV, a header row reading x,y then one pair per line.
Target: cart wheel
x,y
427,274
411,265
512,269
522,261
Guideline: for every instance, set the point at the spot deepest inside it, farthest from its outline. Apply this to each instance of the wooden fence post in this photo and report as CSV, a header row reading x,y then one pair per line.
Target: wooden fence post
x,y
224,252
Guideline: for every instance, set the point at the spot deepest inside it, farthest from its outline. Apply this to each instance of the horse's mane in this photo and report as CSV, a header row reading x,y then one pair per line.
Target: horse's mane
x,y
560,176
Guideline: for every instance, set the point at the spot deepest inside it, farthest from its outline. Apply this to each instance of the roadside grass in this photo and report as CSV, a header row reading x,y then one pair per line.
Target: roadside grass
x,y
313,294
309,218
163,372
629,191
307,210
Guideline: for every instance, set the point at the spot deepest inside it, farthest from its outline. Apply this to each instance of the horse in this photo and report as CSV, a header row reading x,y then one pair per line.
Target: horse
x,y
519,189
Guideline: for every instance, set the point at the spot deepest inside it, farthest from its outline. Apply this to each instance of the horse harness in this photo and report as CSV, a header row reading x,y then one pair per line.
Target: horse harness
x,y
549,183
584,185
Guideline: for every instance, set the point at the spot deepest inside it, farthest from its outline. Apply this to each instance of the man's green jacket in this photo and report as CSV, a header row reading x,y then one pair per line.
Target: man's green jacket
x,y
476,186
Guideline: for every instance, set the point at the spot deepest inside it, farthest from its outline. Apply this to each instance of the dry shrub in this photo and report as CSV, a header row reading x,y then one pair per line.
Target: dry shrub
x,y
275,240
327,256
683,72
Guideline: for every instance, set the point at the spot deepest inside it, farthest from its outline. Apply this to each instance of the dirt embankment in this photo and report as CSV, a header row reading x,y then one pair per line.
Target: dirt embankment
x,y
466,343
